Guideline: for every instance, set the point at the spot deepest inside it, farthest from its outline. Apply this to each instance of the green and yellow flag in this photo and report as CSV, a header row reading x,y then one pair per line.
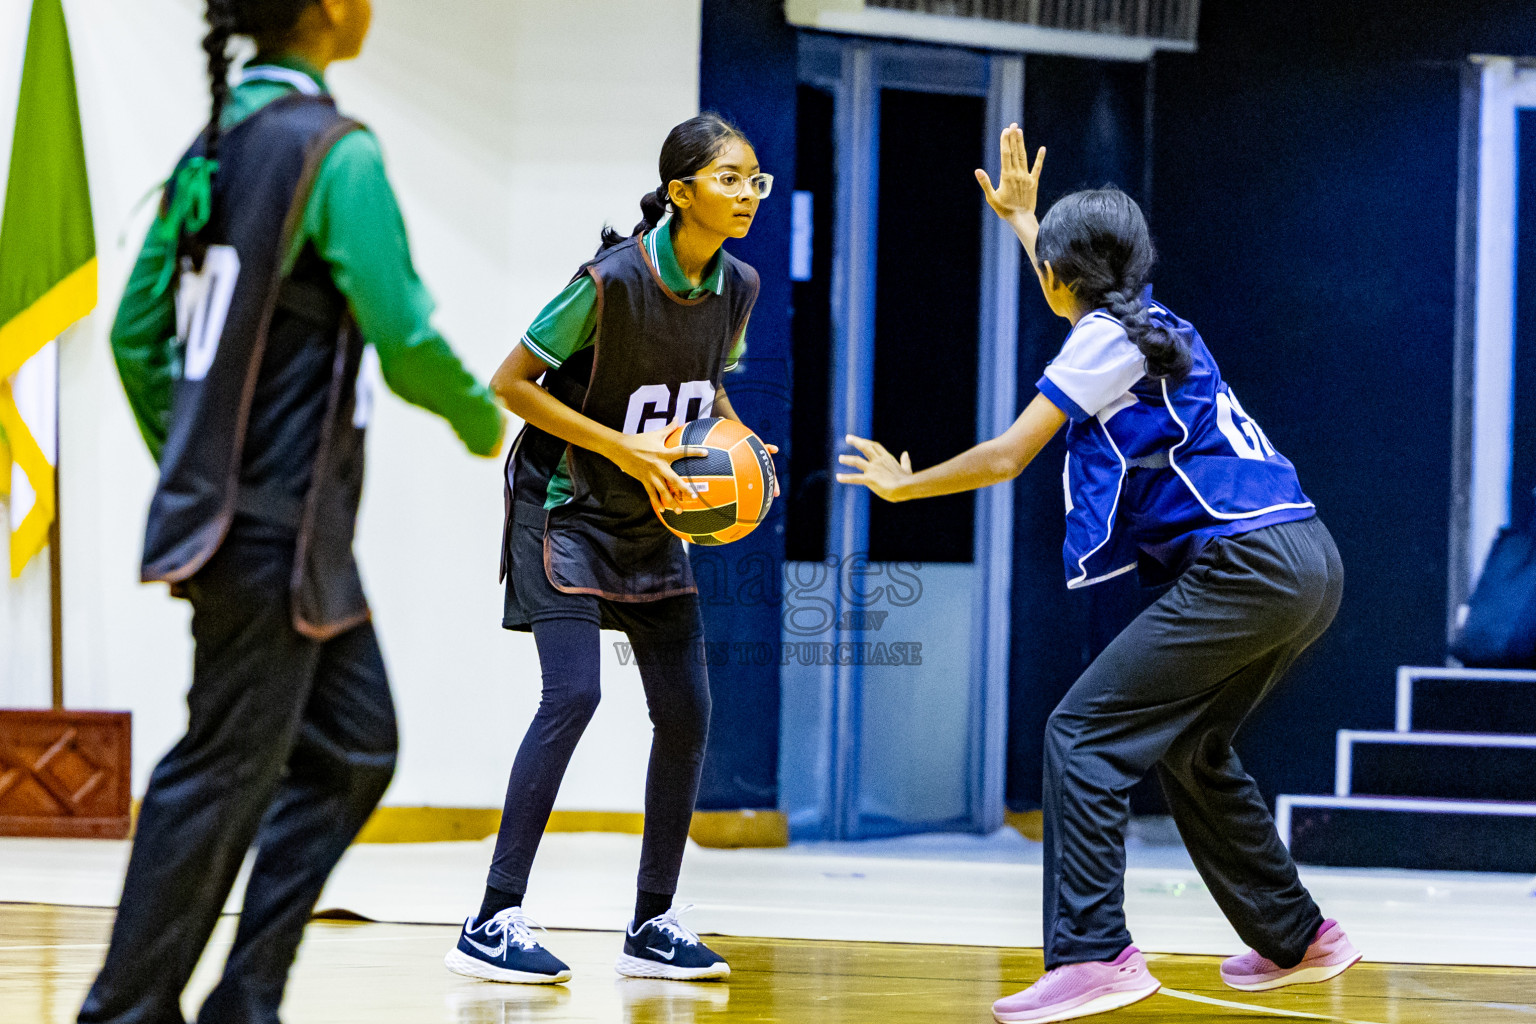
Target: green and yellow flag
x,y
47,272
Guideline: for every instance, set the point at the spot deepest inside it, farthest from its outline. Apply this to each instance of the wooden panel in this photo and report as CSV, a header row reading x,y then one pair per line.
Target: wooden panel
x,y
65,773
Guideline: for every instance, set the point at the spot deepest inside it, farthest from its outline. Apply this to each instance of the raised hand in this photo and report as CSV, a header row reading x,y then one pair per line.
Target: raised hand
x,y
878,469
1018,185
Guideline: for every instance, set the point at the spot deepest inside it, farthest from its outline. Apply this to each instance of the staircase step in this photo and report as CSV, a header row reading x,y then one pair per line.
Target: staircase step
x,y
1445,766
1399,832
1479,700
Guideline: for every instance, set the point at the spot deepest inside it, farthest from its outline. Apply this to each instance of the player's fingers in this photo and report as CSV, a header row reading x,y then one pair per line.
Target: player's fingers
x,y
985,181
852,478
864,445
676,484
684,451
1016,147
652,493
658,437
1039,161
906,462
660,479
773,449
874,450
853,460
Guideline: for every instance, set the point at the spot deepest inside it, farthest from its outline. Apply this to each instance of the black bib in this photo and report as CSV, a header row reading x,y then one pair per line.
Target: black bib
x,y
226,451
656,359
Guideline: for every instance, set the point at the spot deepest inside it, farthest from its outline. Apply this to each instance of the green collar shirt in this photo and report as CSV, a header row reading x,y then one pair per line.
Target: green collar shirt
x,y
568,323
353,221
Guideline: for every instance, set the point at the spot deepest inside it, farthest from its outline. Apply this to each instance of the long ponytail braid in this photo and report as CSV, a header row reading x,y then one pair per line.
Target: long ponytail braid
x,y
1167,355
186,219
186,208
1098,243
221,26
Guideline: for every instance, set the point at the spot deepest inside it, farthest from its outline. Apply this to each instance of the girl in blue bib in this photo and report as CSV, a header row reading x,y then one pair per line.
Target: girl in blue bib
x,y
1168,475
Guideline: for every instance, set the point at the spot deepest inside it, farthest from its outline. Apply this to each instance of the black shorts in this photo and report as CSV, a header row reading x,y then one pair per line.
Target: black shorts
x,y
530,597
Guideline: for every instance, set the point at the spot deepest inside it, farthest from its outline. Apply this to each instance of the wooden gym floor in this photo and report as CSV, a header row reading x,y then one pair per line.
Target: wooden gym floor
x,y
386,973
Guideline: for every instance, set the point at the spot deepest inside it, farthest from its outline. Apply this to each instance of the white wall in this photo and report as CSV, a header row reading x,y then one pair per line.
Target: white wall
x,y
513,129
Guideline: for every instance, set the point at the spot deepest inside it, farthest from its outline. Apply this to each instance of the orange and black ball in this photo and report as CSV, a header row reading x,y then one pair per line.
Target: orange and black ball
x,y
731,482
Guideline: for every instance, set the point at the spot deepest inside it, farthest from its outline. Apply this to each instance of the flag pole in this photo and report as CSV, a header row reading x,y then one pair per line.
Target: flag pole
x,y
56,571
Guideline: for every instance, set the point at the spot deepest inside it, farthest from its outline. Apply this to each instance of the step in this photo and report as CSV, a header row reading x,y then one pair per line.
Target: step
x,y
1444,766
1399,832
1480,700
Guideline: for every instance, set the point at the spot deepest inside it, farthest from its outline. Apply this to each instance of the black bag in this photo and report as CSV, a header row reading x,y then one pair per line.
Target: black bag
x,y
1500,631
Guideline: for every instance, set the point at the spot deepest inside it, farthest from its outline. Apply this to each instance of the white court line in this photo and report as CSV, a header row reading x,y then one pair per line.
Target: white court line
x,y
1191,997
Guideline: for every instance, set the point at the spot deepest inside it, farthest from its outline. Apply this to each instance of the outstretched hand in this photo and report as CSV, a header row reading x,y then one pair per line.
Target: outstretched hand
x,y
1018,184
878,469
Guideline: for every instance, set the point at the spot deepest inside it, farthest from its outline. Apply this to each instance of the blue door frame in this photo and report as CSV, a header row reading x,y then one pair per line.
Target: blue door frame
x,y
821,772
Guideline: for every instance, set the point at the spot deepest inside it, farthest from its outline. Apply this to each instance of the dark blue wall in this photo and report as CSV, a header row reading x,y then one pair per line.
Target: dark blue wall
x,y
747,73
1523,470
1304,199
1090,115
1303,195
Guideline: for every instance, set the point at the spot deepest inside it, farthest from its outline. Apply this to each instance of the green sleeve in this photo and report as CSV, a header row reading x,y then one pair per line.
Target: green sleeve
x,y
738,351
143,344
354,223
565,326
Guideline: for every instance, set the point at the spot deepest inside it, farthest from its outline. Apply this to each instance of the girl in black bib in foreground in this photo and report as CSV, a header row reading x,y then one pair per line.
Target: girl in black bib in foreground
x,y
281,246
638,341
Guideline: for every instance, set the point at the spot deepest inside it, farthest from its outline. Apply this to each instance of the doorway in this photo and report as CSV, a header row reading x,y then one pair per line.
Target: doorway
x,y
895,627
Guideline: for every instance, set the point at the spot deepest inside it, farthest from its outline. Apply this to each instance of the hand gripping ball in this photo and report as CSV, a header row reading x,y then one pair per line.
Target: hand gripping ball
x,y
732,482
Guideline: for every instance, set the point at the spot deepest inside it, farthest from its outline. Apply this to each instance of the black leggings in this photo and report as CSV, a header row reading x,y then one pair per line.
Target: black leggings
x,y
677,694
290,743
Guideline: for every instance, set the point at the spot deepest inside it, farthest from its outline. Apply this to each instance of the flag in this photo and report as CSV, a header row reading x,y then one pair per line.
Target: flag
x,y
47,271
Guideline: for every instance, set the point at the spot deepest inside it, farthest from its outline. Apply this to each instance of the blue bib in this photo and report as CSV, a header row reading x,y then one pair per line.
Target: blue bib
x,y
1155,473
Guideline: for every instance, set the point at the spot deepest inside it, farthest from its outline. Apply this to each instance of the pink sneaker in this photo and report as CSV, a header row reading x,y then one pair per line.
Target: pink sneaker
x,y
1078,990
1330,955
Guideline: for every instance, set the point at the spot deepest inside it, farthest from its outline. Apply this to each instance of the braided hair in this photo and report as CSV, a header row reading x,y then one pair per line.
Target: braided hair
x,y
187,207
1097,242
221,25
269,22
690,147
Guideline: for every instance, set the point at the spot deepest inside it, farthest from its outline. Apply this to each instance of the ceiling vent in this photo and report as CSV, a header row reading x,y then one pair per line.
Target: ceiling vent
x,y
1108,29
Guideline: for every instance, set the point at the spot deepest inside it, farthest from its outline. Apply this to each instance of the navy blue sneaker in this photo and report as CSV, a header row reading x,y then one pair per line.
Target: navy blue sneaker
x,y
664,947
503,949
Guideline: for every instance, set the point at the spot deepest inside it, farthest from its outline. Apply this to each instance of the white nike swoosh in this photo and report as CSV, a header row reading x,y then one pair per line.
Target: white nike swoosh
x,y
487,950
668,955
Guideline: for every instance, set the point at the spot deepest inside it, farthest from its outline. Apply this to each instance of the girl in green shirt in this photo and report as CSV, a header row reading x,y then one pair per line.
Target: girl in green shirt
x,y
278,253
636,343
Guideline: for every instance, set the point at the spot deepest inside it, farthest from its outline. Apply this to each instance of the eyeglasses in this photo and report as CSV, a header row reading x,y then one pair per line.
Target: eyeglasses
x,y
732,182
